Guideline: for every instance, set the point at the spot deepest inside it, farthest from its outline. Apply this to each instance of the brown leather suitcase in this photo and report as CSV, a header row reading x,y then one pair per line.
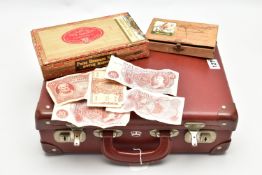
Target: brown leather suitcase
x,y
209,118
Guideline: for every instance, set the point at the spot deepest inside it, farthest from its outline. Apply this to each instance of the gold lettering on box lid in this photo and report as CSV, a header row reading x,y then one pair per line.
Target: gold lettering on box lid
x,y
92,63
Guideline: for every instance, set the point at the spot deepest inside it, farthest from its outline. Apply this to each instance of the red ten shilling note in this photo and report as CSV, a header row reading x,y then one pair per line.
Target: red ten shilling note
x,y
68,89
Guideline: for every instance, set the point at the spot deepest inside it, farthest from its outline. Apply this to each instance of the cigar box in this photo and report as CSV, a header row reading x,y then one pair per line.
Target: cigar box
x,y
85,45
180,37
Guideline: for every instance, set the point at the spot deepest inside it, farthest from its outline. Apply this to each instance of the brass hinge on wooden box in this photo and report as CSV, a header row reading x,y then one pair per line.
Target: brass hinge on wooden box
x,y
178,47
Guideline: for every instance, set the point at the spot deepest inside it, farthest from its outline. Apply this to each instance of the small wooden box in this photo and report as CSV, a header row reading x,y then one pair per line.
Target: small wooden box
x,y
85,45
180,37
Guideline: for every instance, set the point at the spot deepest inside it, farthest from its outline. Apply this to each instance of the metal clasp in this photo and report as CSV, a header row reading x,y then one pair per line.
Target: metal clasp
x,y
75,136
99,133
156,133
193,128
203,136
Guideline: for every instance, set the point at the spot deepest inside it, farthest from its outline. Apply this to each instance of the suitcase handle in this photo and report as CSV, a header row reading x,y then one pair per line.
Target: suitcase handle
x,y
136,157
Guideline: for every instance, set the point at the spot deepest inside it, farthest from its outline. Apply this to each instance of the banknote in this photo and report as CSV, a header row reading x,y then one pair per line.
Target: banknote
x,y
162,81
103,92
69,88
153,106
80,115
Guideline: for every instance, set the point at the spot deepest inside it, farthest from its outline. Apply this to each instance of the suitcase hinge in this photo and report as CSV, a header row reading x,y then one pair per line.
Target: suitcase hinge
x,y
99,133
156,133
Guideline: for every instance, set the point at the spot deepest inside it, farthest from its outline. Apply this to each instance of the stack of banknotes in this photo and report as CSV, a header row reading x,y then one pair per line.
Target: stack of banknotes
x,y
106,96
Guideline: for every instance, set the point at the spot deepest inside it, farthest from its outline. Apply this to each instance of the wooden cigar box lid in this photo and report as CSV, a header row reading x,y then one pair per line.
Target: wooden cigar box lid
x,y
180,37
85,45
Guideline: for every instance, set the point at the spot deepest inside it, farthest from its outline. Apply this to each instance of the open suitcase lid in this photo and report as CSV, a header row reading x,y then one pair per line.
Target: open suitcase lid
x,y
202,82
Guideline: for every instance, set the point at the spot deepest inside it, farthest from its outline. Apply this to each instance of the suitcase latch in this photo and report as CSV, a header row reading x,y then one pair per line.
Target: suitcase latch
x,y
193,128
203,136
75,136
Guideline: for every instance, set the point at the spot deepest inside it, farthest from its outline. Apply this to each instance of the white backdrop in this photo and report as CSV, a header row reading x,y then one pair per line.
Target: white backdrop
x,y
239,41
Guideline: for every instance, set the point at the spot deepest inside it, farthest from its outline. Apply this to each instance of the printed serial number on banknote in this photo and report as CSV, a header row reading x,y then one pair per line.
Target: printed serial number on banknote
x,y
69,88
80,115
153,106
103,92
162,81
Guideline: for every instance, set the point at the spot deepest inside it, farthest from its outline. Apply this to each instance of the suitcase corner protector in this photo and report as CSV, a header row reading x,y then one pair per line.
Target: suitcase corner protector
x,y
228,112
220,148
51,149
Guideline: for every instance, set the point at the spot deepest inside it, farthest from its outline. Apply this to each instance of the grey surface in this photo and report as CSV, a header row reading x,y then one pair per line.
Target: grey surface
x,y
239,41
